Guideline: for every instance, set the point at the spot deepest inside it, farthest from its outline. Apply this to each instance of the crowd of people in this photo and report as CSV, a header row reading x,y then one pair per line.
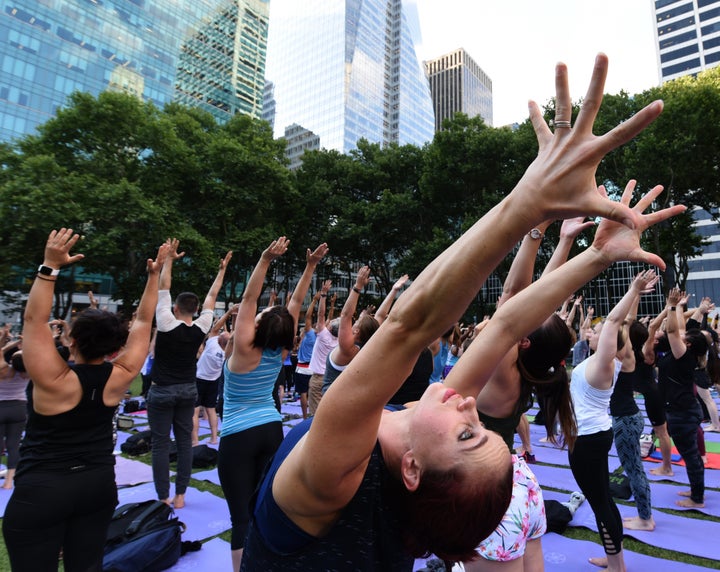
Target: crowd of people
x,y
406,447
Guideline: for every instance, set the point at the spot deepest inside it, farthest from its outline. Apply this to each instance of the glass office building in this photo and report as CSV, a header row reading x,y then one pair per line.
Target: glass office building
x,y
208,53
346,69
688,42
688,36
459,85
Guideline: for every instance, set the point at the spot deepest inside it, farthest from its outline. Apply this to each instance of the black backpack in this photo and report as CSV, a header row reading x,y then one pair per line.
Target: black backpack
x,y
143,536
137,444
204,457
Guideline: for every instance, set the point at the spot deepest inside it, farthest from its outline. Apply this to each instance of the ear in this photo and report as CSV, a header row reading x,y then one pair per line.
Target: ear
x,y
410,471
525,344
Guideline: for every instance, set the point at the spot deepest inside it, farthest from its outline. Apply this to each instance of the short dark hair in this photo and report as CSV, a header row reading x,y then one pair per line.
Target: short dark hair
x,y
276,329
17,362
98,333
451,512
187,303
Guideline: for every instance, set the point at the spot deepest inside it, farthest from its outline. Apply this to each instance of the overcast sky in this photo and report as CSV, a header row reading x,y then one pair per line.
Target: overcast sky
x,y
518,42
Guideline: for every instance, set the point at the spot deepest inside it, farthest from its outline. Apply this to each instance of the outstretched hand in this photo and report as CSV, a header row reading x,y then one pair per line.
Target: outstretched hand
x,y
276,249
645,281
572,227
58,246
561,180
225,261
316,255
154,266
618,242
173,253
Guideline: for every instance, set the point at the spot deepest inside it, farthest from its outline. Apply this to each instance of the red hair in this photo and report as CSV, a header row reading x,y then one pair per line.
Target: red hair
x,y
451,511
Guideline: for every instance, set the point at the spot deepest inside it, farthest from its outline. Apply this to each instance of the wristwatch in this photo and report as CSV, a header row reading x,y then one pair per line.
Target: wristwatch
x,y
47,270
535,234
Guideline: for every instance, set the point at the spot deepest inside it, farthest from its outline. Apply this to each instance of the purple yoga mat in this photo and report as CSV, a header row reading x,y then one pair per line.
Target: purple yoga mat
x,y
130,473
562,554
688,535
204,514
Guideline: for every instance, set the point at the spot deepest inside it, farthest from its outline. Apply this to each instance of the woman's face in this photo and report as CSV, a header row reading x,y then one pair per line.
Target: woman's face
x,y
446,430
594,336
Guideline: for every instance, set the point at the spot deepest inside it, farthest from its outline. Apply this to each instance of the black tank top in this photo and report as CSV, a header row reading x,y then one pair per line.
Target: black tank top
x,y
75,440
622,400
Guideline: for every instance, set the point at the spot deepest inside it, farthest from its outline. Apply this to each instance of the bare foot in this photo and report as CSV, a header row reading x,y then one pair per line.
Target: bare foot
x,y
601,562
166,501
637,523
195,443
179,501
689,503
214,441
684,494
7,485
662,471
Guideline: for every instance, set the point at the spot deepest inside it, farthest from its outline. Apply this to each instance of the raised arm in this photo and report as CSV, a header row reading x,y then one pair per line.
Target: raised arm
x,y
43,363
221,322
129,361
655,324
211,297
346,348
312,258
172,256
329,463
324,289
384,309
600,370
674,327
569,231
520,275
244,330
527,310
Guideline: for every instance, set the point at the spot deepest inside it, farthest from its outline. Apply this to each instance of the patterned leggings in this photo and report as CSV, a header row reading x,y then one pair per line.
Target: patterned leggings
x,y
627,431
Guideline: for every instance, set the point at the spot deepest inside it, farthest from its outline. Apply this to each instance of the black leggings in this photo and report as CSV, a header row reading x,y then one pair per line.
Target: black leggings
x,y
589,464
13,415
242,458
49,511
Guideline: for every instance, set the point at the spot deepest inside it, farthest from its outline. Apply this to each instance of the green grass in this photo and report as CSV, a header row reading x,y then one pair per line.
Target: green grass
x,y
570,532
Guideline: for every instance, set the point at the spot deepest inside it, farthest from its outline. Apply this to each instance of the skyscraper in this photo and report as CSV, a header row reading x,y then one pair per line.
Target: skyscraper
x,y
458,84
688,42
210,51
688,36
346,69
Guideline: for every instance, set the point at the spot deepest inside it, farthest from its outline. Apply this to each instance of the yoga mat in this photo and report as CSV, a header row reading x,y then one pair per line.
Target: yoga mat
x,y
130,473
562,554
556,478
691,536
204,514
664,496
214,555
713,461
712,478
4,498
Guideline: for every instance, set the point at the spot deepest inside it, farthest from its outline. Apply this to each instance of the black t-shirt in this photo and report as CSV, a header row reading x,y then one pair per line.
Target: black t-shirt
x,y
676,380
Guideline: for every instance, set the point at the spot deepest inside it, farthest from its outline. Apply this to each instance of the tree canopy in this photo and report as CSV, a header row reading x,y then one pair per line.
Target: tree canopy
x,y
127,175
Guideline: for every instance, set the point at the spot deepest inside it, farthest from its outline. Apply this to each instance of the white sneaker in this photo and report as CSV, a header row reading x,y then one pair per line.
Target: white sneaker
x,y
576,499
